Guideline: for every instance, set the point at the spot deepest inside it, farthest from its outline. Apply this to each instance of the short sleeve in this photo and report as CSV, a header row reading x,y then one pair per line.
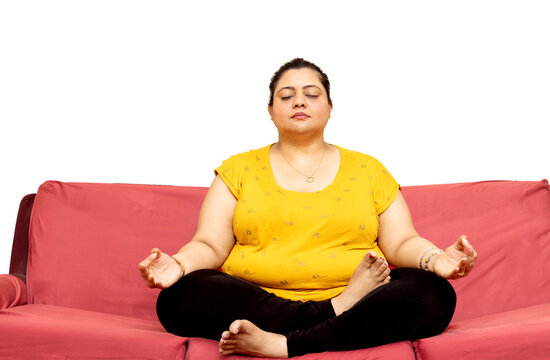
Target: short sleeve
x,y
230,171
385,188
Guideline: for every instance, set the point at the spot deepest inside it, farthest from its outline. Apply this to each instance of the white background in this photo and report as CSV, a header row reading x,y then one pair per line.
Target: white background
x,y
160,92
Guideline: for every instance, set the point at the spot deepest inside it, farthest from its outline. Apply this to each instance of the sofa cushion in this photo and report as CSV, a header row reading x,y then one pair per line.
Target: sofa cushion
x,y
201,349
86,241
508,222
517,334
53,332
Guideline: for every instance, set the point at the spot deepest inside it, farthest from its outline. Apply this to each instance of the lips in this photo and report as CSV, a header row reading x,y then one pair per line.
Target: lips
x,y
300,116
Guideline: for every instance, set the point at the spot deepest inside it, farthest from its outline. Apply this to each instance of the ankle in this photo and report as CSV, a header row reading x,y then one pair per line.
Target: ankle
x,y
283,347
338,305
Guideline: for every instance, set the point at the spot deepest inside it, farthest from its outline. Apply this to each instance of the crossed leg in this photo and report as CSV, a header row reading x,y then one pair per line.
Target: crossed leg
x,y
244,337
205,303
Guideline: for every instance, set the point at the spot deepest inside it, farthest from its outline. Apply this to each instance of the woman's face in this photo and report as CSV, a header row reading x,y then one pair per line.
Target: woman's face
x,y
300,103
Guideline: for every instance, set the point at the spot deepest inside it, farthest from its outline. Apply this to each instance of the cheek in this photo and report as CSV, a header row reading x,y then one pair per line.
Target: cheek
x,y
280,110
322,110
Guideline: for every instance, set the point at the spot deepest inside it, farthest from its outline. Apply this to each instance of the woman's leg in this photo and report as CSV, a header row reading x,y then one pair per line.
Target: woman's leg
x,y
204,303
414,305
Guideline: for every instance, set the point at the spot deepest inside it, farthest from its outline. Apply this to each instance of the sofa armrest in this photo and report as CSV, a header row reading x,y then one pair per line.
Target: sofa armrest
x,y
13,292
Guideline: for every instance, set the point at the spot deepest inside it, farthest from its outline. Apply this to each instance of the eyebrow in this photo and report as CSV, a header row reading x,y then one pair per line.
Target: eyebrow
x,y
293,88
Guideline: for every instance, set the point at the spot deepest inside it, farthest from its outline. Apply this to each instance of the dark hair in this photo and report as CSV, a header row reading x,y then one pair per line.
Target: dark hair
x,y
298,63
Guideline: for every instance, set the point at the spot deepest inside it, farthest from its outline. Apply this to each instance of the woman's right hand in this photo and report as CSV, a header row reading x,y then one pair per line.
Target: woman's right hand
x,y
160,270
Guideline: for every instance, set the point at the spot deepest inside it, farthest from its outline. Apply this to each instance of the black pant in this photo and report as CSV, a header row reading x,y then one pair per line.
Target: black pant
x,y
414,305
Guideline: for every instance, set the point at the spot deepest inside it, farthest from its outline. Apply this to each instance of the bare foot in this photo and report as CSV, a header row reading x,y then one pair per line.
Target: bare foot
x,y
246,338
371,273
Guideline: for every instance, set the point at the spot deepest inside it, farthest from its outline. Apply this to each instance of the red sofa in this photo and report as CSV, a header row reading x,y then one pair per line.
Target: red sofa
x,y
74,289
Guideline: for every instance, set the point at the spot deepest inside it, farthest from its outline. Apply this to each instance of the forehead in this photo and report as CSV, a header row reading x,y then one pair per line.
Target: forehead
x,y
299,78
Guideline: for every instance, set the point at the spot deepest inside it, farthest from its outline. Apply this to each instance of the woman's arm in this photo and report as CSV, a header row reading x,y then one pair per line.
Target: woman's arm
x,y
214,237
403,247
209,247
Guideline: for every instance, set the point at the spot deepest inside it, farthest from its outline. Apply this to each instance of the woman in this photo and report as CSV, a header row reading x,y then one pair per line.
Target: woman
x,y
303,232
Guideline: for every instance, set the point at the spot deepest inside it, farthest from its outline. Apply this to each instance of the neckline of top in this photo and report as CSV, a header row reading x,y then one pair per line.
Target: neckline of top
x,y
272,175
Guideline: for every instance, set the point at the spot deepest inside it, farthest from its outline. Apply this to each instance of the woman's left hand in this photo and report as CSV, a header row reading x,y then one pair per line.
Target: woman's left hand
x,y
456,261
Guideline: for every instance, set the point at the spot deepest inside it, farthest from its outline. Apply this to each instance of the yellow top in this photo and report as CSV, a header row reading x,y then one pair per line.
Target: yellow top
x,y
304,245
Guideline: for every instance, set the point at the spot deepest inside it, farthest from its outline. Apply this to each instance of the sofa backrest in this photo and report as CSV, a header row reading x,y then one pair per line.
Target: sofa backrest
x,y
86,241
508,222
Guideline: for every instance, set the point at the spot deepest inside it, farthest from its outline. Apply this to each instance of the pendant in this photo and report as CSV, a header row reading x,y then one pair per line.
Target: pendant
x,y
310,179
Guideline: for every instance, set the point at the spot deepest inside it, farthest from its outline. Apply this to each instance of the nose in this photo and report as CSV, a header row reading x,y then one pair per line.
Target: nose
x,y
299,101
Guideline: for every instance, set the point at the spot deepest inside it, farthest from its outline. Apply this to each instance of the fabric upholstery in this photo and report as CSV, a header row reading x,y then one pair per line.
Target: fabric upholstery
x,y
86,241
202,349
12,292
56,332
508,223
86,298
517,334
20,249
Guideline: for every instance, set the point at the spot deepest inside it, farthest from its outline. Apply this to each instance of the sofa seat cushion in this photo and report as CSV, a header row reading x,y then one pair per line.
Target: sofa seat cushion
x,y
200,349
54,332
517,334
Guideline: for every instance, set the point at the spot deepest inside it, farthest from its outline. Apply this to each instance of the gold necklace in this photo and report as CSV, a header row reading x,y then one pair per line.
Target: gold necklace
x,y
309,178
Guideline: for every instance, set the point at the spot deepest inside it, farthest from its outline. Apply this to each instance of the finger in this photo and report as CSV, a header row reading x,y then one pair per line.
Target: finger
x,y
471,254
469,248
144,265
148,260
459,245
155,253
149,282
462,268
144,273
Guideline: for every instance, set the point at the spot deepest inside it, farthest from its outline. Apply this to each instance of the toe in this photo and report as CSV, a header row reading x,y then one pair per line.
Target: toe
x,y
372,256
235,327
378,265
381,267
225,347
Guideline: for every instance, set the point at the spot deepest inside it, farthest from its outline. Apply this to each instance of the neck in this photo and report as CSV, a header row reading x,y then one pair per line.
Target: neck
x,y
297,148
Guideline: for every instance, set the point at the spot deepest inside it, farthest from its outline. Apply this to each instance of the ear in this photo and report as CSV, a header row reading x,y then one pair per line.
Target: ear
x,y
270,111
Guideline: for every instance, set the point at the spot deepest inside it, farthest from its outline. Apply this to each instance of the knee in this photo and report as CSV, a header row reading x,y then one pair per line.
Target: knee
x,y
441,299
434,299
179,300
187,287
